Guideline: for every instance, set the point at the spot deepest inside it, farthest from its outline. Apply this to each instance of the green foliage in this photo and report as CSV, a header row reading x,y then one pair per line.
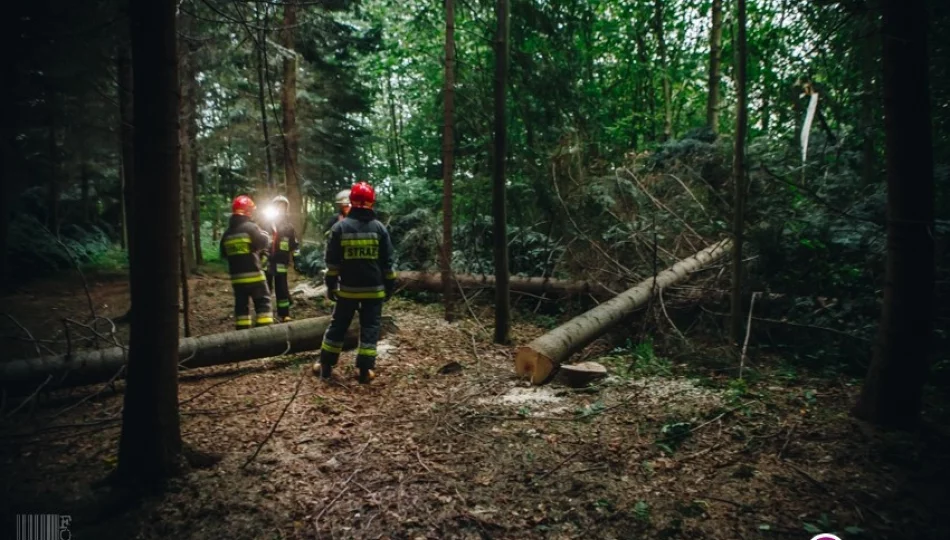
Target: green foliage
x,y
310,262
39,253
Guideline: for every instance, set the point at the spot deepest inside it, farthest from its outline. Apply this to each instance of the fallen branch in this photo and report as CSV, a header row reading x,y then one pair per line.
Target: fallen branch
x,y
748,332
279,418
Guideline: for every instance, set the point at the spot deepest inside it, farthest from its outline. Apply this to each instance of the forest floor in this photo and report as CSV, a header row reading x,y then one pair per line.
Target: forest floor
x,y
474,453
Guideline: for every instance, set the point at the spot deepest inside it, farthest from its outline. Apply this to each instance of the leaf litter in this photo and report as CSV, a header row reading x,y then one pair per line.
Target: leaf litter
x,y
479,454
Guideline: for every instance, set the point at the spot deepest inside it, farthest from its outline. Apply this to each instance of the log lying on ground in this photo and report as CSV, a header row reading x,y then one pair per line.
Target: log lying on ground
x,y
423,281
88,367
541,358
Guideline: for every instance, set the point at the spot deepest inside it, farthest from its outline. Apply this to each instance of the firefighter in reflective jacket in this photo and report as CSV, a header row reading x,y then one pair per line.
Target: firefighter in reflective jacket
x,y
359,260
283,249
342,202
242,245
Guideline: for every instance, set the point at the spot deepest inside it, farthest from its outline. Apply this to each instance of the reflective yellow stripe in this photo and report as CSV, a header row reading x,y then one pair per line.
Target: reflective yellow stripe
x,y
390,275
240,281
366,352
283,303
361,295
331,348
242,323
265,320
284,245
281,268
360,242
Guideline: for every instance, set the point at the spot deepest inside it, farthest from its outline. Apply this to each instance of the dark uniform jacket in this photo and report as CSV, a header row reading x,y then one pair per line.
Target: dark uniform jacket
x,y
360,255
283,246
241,245
333,221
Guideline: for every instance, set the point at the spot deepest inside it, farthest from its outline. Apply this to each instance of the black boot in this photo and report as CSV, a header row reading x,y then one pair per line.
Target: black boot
x,y
366,375
325,371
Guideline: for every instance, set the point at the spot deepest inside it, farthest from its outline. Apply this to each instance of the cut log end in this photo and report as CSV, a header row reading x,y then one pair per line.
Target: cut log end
x,y
580,375
534,365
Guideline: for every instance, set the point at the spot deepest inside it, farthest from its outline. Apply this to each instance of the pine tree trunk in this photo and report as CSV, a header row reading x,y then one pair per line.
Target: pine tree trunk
x,y
394,140
150,443
664,69
738,173
193,100
185,293
448,158
261,82
92,366
499,210
715,60
126,134
893,391
186,144
541,358
289,105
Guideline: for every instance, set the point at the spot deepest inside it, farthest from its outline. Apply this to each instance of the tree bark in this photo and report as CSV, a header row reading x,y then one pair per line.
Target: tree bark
x,y
715,59
150,442
499,211
185,293
664,68
738,174
193,143
88,367
892,392
540,359
448,158
126,134
288,98
186,145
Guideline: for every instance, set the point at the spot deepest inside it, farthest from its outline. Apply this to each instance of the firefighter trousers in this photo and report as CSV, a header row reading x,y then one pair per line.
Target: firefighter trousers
x,y
257,292
371,313
277,282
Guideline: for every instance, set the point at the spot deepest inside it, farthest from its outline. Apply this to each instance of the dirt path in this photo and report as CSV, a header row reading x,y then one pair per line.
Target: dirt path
x,y
476,454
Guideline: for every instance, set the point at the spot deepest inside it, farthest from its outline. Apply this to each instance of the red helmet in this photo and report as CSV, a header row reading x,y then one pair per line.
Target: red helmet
x,y
362,195
242,205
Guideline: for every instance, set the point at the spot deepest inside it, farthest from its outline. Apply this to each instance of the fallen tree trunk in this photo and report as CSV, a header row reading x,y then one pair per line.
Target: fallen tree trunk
x,y
88,367
541,358
423,281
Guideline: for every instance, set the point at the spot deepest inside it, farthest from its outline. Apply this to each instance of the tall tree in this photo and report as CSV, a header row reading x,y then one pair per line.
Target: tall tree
x,y
892,392
658,29
288,98
187,146
499,213
448,158
738,172
126,131
715,59
192,78
150,443
261,83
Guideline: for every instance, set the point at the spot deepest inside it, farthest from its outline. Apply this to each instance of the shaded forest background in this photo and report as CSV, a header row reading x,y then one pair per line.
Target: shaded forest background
x,y
619,139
